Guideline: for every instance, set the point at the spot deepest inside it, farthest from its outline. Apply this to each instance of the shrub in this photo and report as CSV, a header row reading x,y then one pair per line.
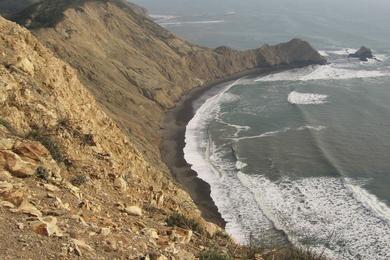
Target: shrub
x,y
8,125
42,173
298,253
222,234
48,142
79,180
179,220
213,254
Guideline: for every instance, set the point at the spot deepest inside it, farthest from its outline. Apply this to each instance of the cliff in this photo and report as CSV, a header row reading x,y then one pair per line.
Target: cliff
x,y
137,69
80,169
71,183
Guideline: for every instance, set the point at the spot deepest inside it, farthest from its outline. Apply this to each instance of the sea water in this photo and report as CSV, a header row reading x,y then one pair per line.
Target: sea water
x,y
300,156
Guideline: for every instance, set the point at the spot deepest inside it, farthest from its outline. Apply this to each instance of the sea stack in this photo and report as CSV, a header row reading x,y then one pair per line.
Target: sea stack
x,y
363,54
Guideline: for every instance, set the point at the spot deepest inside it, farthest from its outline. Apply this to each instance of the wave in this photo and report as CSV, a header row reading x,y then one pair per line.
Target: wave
x,y
345,51
273,133
193,22
306,98
326,213
323,213
326,72
160,18
323,53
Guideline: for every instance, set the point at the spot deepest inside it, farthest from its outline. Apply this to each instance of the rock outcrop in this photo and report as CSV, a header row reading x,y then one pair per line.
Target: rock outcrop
x,y
363,54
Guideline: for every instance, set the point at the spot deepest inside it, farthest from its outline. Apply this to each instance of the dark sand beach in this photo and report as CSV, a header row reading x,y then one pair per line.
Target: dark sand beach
x,y
173,141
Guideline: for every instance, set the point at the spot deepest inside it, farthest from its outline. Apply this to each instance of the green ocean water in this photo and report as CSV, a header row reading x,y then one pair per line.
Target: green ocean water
x,y
303,155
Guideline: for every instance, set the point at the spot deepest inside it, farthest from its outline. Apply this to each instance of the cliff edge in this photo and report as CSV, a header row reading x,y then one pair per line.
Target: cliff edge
x,y
81,107
137,69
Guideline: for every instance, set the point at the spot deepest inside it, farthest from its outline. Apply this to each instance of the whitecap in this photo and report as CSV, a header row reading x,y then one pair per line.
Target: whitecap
x,y
323,212
325,72
345,51
193,22
276,132
306,98
323,53
240,165
315,128
160,17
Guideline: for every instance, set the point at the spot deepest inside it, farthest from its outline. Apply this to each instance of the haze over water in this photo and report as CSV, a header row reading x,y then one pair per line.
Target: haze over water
x,y
302,155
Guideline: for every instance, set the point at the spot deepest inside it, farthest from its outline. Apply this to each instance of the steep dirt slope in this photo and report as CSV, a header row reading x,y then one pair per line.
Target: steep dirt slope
x,y
71,183
137,69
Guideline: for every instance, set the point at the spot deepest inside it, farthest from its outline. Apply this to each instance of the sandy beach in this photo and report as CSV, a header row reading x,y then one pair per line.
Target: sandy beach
x,y
173,141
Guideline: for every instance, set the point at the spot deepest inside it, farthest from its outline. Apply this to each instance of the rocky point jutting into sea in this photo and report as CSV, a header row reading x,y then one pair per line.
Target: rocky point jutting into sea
x,y
83,96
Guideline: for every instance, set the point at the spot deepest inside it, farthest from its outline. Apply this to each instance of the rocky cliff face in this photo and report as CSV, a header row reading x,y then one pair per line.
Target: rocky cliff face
x,y
71,182
135,68
80,172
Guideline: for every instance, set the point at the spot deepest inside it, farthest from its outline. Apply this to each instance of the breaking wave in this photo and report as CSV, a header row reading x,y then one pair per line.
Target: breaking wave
x,y
306,98
325,72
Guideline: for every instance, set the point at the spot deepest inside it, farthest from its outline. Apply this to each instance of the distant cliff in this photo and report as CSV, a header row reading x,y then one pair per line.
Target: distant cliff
x,y
137,69
9,7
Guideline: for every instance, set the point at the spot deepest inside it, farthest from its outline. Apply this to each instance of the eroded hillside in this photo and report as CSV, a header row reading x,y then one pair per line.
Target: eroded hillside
x,y
137,69
71,183
80,169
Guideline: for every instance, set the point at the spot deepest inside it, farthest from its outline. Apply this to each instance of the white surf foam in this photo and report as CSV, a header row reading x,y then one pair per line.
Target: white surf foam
x,y
323,212
206,160
306,98
240,165
193,22
345,51
323,53
273,133
326,72
160,16
333,216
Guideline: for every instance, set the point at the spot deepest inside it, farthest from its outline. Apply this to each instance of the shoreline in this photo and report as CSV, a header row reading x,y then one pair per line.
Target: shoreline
x,y
173,129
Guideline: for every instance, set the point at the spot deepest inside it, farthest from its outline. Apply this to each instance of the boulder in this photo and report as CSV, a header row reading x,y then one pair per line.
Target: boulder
x,y
134,211
105,231
5,187
13,163
363,54
32,150
150,232
120,184
29,209
80,244
47,227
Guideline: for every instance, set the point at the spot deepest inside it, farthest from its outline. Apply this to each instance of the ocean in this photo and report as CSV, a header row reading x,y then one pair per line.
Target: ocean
x,y
300,156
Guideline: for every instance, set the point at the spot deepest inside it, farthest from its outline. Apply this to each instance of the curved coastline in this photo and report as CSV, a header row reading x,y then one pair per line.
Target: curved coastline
x,y
172,132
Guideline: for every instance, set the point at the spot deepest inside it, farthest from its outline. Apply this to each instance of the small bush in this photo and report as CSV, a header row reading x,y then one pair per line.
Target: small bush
x,y
179,220
42,173
79,180
298,253
48,142
8,125
213,254
222,234
88,139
